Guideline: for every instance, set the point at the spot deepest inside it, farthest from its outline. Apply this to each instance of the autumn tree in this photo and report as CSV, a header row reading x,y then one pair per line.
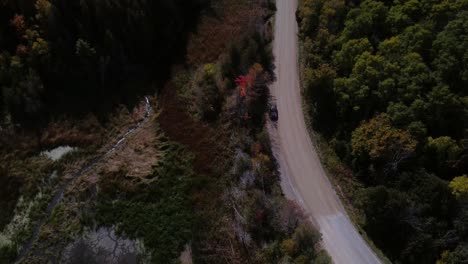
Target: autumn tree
x,y
459,186
43,9
380,141
252,94
19,24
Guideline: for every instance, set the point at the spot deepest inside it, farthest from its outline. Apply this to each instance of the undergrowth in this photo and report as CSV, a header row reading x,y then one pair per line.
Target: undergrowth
x,y
159,213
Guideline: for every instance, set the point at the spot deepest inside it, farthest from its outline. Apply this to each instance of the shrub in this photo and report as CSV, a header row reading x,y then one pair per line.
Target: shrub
x,y
7,253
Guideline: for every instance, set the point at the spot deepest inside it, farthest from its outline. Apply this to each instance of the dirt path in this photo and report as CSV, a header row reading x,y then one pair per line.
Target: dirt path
x,y
303,178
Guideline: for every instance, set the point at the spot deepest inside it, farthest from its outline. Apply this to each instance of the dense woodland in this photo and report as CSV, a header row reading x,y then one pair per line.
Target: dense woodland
x,y
213,186
386,84
81,56
72,58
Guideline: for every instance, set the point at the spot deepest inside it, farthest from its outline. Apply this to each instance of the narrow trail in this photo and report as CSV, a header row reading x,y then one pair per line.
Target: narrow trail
x,y
58,196
302,175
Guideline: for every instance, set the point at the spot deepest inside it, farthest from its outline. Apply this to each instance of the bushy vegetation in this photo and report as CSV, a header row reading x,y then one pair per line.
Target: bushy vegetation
x,y
20,175
250,220
8,253
159,213
215,185
232,209
385,84
242,215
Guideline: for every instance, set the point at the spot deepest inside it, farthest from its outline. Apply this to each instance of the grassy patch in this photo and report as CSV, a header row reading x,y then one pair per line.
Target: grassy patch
x,y
159,213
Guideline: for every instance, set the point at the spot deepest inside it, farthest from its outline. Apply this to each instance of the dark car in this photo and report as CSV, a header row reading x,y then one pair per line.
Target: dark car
x,y
273,113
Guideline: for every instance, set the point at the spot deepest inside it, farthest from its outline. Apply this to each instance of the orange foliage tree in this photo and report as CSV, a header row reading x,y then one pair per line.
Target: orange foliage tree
x,y
378,139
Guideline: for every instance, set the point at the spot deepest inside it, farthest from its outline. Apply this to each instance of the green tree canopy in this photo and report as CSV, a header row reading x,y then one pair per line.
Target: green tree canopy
x,y
451,54
368,20
347,56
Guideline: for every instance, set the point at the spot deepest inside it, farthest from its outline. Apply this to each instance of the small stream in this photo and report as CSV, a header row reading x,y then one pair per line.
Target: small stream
x,y
59,193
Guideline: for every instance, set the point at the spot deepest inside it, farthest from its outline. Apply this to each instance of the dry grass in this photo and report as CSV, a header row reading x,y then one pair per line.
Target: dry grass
x,y
25,142
78,132
136,156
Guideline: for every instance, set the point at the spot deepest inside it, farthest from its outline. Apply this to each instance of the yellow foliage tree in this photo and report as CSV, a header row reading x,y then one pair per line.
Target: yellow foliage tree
x,y
459,186
289,247
40,47
15,62
443,257
42,8
209,70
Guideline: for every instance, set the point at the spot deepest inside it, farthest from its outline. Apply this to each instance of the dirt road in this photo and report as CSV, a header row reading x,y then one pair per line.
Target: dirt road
x,y
303,178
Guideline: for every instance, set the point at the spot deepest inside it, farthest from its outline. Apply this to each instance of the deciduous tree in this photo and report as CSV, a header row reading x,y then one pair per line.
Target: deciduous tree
x,y
379,139
459,186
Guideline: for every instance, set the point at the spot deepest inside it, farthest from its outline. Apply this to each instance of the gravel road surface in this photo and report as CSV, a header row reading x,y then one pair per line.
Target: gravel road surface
x,y
303,177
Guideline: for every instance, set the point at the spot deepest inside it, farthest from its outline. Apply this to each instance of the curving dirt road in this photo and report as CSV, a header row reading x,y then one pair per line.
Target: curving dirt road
x,y
303,178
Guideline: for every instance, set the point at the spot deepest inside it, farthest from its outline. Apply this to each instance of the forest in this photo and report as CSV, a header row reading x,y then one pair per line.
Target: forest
x,y
80,56
385,84
186,172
